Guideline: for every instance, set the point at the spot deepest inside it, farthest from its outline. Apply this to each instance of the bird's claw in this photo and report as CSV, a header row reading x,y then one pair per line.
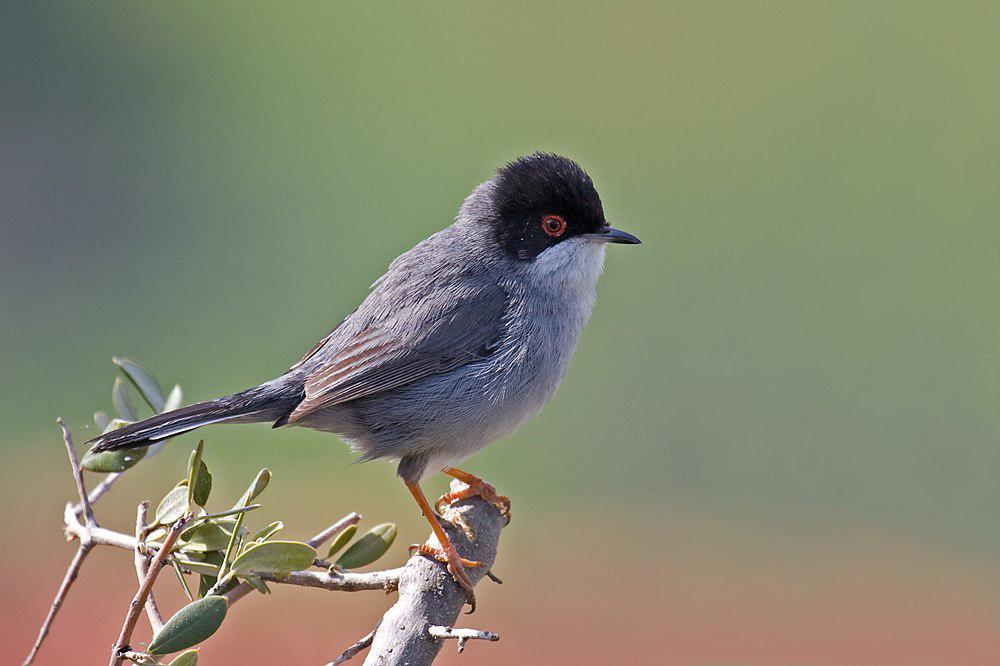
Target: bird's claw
x,y
456,567
480,488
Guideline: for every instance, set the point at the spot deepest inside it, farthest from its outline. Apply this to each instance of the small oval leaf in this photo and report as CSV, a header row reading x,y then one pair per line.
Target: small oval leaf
x,y
143,380
268,531
123,403
206,537
257,583
341,540
194,566
112,461
190,625
101,420
368,548
174,399
189,658
172,506
199,479
275,557
257,487
203,488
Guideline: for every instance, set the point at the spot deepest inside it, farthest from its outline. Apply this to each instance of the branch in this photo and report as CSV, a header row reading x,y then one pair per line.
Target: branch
x,y
428,595
86,544
71,573
311,579
387,580
99,536
334,581
98,491
88,511
142,567
352,651
139,600
352,518
462,635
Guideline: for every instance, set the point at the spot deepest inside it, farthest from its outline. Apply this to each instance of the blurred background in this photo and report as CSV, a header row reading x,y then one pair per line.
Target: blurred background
x,y
783,416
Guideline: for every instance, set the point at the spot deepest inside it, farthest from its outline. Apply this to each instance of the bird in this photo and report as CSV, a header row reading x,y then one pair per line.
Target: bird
x,y
464,338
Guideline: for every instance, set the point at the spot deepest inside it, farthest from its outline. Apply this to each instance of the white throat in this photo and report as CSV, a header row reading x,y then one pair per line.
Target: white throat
x,y
566,275
574,264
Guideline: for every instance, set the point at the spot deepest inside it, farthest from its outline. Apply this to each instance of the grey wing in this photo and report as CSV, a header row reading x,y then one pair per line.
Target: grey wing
x,y
405,344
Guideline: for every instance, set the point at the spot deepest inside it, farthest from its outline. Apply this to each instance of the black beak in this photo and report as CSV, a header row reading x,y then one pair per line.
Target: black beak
x,y
612,235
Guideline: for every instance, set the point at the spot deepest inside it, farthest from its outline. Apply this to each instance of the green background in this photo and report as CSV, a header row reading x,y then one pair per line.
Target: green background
x,y
803,352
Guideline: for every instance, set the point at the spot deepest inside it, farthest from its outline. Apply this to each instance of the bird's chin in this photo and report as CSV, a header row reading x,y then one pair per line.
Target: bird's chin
x,y
575,262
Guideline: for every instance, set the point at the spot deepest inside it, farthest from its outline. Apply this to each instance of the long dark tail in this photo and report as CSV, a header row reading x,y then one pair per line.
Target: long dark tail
x,y
271,401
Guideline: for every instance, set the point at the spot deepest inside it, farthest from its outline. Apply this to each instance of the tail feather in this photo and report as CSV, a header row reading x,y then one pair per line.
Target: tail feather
x,y
267,402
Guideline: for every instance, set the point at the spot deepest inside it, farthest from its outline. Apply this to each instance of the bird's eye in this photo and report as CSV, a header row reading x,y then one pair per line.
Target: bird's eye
x,y
553,225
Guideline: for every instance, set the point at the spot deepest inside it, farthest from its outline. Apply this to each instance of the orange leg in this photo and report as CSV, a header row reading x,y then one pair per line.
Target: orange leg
x,y
476,486
447,553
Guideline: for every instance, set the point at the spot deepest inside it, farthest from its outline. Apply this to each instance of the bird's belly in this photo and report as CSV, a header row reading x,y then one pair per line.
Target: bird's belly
x,y
449,417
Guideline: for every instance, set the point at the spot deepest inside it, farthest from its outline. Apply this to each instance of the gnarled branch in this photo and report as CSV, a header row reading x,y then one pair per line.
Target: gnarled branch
x,y
428,595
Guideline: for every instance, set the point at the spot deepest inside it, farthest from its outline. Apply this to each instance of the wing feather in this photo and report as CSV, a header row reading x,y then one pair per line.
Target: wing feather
x,y
369,354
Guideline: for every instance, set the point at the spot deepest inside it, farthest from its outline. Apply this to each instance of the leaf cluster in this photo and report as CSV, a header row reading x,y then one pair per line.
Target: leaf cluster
x,y
217,546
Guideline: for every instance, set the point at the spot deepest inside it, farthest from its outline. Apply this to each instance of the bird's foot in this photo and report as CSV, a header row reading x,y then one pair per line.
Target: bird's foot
x,y
476,486
456,566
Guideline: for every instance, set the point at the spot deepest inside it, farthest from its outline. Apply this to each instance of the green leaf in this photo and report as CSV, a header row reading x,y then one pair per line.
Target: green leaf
x,y
190,625
123,403
174,400
101,420
205,583
203,488
257,583
194,566
199,478
209,579
268,531
230,512
143,380
112,461
341,540
206,536
275,557
257,487
172,506
189,658
368,548
194,468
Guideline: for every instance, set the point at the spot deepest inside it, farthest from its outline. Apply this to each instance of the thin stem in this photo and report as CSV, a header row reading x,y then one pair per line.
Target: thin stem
x,y
231,547
142,567
139,600
462,635
81,553
227,512
88,510
71,573
352,651
352,518
98,491
221,583
180,576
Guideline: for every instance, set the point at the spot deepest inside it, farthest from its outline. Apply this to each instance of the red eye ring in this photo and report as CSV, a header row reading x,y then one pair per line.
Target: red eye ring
x,y
553,225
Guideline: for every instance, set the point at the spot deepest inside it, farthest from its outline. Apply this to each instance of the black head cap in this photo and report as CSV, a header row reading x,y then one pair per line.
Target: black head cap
x,y
541,200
